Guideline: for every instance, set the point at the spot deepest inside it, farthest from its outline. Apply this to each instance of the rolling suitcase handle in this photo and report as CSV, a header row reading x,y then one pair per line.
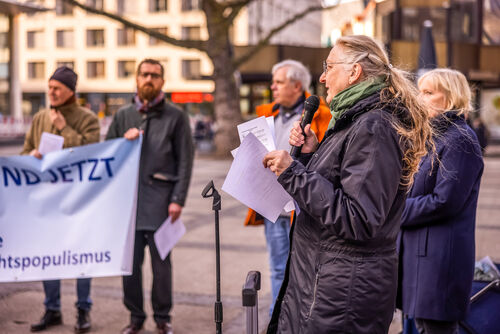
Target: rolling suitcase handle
x,y
250,301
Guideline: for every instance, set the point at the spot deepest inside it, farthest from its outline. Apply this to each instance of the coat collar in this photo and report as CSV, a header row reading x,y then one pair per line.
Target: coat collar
x,y
362,106
442,122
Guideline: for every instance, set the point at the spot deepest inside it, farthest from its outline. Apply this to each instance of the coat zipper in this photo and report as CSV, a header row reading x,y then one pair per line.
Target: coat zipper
x,y
314,294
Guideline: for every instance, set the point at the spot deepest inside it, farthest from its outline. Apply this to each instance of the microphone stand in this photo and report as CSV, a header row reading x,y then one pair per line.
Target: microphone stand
x,y
210,191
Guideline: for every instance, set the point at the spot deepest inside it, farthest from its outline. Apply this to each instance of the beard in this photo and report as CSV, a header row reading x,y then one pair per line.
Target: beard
x,y
147,92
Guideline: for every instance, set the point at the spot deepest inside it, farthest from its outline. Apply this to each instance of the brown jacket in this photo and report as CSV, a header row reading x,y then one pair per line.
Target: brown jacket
x,y
82,127
319,125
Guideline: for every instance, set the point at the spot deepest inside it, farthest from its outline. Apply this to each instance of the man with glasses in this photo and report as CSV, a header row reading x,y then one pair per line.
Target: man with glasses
x,y
289,87
164,174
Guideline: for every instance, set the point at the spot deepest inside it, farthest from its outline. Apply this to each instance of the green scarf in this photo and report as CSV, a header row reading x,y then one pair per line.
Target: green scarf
x,y
352,94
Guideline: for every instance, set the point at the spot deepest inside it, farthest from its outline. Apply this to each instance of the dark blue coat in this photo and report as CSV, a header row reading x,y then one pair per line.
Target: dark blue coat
x,y
437,233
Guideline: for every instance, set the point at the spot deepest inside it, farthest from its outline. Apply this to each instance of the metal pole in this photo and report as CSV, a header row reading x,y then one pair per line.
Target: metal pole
x,y
210,191
218,303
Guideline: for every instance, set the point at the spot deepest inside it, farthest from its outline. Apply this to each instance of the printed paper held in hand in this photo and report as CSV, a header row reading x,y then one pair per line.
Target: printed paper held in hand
x,y
50,142
263,133
261,128
252,184
167,235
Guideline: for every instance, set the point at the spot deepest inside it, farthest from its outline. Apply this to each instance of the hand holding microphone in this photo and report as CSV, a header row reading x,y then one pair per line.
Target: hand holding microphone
x,y
302,138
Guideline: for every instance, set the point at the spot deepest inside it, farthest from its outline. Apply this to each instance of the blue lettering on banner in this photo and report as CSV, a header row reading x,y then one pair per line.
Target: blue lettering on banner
x,y
64,170
79,164
31,177
16,178
91,176
1,242
74,172
54,176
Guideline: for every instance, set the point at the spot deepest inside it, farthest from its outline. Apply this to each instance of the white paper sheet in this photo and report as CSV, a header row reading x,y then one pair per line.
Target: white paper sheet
x,y
50,142
290,206
270,123
233,152
260,128
252,184
167,235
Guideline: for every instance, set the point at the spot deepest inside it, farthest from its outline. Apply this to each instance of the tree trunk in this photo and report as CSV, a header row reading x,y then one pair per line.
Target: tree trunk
x,y
227,106
227,96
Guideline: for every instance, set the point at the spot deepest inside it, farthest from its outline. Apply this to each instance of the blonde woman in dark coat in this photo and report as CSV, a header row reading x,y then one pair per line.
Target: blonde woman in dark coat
x,y
438,222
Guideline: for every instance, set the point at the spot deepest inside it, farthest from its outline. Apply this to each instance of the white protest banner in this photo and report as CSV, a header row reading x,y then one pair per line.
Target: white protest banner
x,y
70,214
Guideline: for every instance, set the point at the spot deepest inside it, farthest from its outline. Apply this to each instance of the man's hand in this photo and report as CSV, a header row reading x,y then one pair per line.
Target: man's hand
x,y
132,133
277,161
309,142
174,211
57,119
35,153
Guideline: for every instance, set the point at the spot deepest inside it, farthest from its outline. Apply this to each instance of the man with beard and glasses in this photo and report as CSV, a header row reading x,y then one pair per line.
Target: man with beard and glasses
x,y
78,126
164,174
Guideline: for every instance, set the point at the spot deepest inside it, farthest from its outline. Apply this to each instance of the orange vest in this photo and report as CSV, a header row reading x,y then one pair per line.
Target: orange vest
x,y
319,125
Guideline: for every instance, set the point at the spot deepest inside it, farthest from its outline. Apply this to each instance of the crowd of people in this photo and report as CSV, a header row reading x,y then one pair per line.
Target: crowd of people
x,y
386,183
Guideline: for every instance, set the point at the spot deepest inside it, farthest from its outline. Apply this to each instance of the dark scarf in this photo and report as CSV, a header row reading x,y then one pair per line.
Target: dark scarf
x,y
347,98
144,108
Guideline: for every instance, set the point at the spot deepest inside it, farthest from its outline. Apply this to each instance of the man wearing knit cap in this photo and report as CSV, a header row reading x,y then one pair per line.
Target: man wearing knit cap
x,y
78,126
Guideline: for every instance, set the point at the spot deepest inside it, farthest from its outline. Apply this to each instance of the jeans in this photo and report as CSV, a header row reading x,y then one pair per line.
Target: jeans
x,y
53,294
278,244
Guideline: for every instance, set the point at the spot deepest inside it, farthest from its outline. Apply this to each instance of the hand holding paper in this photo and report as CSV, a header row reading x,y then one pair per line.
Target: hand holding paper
x,y
168,235
252,184
50,142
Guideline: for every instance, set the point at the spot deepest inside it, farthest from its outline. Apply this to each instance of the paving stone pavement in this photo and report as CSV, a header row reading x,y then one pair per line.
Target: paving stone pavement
x,y
242,249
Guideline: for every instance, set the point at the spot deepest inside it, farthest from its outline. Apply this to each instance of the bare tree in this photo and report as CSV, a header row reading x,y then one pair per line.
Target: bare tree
x,y
220,15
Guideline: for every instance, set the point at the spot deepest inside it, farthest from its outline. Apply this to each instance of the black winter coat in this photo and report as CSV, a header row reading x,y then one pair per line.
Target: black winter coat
x,y
342,270
166,159
437,233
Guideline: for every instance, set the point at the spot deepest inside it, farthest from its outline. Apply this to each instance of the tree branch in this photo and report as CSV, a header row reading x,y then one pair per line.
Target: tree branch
x,y
265,41
189,44
238,3
236,9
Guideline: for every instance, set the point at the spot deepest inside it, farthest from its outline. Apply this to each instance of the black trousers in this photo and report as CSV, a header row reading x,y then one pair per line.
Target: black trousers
x,y
161,292
427,326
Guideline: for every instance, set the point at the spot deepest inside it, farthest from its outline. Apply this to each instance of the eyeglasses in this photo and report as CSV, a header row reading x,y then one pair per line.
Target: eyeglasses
x,y
325,65
144,75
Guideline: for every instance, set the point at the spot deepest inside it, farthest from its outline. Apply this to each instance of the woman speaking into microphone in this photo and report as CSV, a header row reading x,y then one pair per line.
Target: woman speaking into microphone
x,y
342,270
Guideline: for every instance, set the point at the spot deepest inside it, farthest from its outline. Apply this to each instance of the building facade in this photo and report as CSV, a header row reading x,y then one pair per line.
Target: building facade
x,y
105,54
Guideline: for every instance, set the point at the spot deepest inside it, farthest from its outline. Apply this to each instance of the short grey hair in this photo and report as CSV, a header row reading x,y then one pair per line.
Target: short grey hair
x,y
296,72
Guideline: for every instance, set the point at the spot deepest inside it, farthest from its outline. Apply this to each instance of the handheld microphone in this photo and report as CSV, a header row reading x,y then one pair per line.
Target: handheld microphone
x,y
310,107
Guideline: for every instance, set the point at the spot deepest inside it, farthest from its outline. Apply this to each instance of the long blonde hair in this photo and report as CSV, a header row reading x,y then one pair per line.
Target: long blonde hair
x,y
413,127
453,85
